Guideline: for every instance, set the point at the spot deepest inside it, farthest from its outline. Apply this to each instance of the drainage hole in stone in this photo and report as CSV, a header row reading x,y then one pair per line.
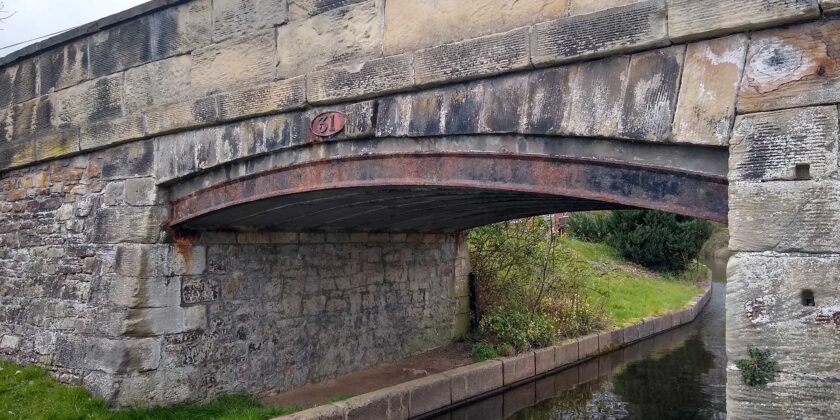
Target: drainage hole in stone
x,y
803,172
808,298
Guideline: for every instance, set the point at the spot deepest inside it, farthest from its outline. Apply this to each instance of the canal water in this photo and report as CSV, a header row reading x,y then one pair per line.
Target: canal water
x,y
680,374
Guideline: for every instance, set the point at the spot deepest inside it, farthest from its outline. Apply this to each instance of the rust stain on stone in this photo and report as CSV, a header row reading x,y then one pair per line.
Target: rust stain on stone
x,y
184,244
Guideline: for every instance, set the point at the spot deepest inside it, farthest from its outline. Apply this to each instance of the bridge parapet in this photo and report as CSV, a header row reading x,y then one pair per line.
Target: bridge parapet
x,y
173,66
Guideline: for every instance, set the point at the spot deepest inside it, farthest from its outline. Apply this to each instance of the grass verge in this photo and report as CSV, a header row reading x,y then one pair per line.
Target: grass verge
x,y
629,292
31,393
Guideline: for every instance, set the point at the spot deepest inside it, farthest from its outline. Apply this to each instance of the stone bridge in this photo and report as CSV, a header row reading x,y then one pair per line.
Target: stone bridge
x,y
201,197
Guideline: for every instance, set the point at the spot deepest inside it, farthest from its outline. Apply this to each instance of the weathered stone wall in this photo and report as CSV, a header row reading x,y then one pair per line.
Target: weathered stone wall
x,y
784,224
93,289
171,66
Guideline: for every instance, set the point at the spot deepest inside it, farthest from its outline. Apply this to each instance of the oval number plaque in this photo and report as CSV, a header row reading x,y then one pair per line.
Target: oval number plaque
x,y
327,123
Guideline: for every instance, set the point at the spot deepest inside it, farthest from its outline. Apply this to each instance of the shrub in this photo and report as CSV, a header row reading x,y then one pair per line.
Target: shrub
x,y
519,329
590,227
759,369
485,351
530,289
658,240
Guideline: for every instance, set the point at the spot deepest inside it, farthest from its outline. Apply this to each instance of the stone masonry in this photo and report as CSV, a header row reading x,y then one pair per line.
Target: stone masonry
x,y
93,290
116,136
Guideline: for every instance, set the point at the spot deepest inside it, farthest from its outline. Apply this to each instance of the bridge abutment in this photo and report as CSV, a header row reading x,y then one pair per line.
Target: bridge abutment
x,y
97,291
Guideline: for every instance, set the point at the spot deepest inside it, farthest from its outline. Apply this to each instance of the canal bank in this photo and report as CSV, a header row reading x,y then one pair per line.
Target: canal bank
x,y
466,386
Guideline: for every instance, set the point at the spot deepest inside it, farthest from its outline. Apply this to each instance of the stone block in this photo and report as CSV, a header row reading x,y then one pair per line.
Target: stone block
x,y
339,36
387,404
585,7
661,323
112,131
233,63
830,7
148,322
321,412
163,386
785,216
141,192
795,144
128,160
566,353
461,109
544,360
141,292
189,114
611,340
9,342
548,100
91,101
58,143
165,33
492,54
273,97
62,67
632,333
764,308
505,104
21,82
690,19
597,94
614,31
711,75
647,329
109,356
428,394
653,82
128,224
791,67
234,18
455,21
302,9
518,368
475,379
588,346
372,78
157,83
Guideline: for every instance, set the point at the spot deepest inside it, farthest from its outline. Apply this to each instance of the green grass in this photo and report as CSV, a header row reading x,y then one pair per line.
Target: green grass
x,y
631,293
30,393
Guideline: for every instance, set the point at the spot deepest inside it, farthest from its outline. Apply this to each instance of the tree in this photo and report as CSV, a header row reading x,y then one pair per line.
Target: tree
x,y
4,14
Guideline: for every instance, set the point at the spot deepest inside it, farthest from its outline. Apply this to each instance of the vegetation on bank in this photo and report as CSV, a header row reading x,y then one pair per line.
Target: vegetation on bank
x,y
31,393
536,286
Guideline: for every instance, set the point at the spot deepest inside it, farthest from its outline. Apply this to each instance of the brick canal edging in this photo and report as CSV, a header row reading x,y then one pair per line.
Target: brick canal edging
x,y
472,382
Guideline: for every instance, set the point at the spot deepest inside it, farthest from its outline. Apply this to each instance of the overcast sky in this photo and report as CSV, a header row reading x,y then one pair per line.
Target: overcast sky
x,y
35,18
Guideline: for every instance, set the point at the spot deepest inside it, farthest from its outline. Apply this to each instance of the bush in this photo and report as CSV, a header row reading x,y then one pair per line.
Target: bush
x,y
590,227
519,329
653,239
658,240
530,289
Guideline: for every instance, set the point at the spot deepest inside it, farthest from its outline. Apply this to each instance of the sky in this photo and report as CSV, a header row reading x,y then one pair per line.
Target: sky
x,y
33,18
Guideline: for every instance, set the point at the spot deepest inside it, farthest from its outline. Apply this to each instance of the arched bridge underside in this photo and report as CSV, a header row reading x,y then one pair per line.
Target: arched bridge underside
x,y
449,191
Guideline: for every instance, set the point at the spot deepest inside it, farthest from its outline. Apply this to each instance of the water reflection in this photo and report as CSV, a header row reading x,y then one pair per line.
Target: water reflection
x,y
677,375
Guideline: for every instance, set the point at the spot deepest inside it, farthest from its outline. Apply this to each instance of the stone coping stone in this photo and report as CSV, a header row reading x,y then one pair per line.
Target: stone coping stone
x,y
476,379
421,396
544,360
518,367
566,353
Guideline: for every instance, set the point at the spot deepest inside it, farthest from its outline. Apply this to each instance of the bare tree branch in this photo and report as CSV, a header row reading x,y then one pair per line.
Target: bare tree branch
x,y
4,14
